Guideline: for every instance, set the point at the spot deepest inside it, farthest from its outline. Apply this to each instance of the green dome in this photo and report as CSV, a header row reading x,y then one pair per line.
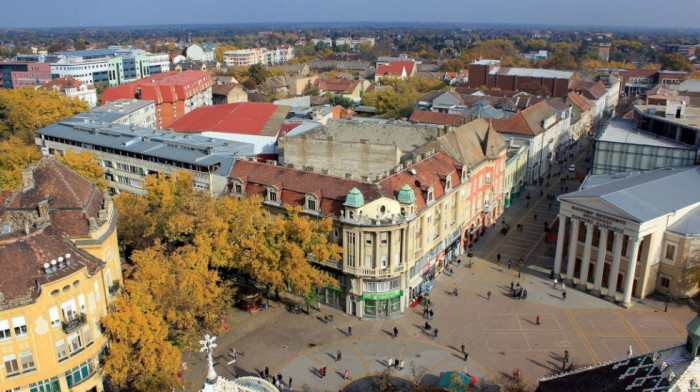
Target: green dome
x,y
406,195
354,198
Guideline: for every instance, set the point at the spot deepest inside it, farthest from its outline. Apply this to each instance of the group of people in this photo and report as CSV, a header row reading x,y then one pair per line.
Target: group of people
x,y
278,380
517,291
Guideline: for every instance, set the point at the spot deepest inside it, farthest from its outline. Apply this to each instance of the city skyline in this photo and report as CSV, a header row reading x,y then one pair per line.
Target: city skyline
x,y
80,13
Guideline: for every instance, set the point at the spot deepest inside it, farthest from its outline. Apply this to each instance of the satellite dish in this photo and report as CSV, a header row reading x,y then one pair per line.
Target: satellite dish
x,y
60,259
47,265
53,262
67,255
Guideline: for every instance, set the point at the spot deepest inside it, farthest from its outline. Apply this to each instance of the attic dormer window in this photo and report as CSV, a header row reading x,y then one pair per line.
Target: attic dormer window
x,y
272,194
312,202
430,195
448,183
238,187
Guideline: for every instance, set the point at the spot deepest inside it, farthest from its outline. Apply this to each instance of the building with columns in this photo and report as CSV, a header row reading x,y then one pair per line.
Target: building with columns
x,y
652,218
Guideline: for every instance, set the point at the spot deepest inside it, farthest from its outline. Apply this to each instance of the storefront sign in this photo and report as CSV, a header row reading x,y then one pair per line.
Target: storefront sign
x,y
599,219
381,296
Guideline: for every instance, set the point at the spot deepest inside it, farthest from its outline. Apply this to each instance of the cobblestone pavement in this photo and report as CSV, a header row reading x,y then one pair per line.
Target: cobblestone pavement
x,y
500,334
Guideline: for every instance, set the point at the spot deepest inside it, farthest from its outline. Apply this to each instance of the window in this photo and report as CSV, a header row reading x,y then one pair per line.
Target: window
x,y
49,385
397,259
5,330
430,217
368,240
27,360
368,261
448,183
383,261
97,291
75,342
88,336
670,251
272,195
69,310
11,367
61,350
80,372
664,282
238,187
19,325
488,178
81,302
311,204
55,319
430,194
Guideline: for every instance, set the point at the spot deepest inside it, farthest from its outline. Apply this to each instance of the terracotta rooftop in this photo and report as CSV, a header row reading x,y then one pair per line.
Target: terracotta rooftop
x,y
336,85
224,89
526,122
63,83
578,101
396,68
248,118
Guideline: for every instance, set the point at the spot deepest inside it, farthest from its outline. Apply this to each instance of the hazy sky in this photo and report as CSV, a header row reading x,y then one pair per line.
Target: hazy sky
x,y
71,13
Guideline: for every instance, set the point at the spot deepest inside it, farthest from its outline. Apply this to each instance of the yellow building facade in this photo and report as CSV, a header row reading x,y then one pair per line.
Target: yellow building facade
x,y
59,272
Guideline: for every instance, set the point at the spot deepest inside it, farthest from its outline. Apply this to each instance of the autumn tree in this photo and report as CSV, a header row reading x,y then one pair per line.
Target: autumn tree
x,y
24,110
258,73
14,155
676,62
139,357
87,165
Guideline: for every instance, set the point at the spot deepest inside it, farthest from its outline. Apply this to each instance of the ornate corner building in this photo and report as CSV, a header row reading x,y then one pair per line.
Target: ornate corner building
x,y
59,271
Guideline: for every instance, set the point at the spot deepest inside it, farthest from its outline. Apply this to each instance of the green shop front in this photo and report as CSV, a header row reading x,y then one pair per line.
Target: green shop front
x,y
382,305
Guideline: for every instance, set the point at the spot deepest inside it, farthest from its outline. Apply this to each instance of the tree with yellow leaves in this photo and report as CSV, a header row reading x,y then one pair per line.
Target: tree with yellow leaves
x,y
139,357
87,165
14,155
24,110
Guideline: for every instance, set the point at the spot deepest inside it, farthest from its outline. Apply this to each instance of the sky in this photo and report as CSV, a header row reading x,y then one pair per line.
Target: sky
x,y
614,13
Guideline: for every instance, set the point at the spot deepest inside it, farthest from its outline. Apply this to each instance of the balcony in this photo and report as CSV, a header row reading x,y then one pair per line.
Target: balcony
x,y
114,288
375,272
77,322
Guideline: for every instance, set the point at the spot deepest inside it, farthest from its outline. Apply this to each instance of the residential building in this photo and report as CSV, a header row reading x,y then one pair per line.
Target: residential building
x,y
491,74
581,115
59,275
685,50
437,118
516,170
395,69
259,124
621,147
540,126
128,65
19,75
636,237
325,42
397,231
158,63
228,93
342,87
594,93
264,56
129,154
201,52
175,94
638,81
132,112
669,369
541,55
87,66
354,43
73,88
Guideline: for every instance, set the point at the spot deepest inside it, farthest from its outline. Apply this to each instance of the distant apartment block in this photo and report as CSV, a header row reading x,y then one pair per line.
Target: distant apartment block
x,y
685,50
354,43
132,112
264,56
26,74
175,94
491,74
73,88
201,52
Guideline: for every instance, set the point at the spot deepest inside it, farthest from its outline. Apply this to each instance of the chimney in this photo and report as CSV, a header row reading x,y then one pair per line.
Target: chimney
x,y
28,177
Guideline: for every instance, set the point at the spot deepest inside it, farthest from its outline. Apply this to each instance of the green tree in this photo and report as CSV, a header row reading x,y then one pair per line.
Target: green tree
x,y
676,62
79,45
258,73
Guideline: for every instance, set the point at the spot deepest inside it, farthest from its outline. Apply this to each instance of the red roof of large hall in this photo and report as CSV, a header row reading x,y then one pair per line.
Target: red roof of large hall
x,y
248,118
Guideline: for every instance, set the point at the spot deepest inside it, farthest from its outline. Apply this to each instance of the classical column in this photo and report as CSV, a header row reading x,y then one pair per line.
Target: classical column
x,y
615,269
586,259
560,246
629,278
573,244
600,261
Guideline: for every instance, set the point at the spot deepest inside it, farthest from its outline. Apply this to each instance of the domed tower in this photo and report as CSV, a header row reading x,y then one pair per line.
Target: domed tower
x,y
353,202
407,198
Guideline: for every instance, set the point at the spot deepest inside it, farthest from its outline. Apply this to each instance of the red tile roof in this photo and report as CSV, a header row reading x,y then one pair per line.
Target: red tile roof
x,y
63,83
248,118
396,68
590,90
336,85
424,116
162,87
579,102
526,122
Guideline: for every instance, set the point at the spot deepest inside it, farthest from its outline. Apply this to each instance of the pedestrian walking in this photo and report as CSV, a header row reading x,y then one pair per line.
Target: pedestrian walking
x,y
396,332
563,295
396,363
629,352
346,375
436,332
518,274
425,312
339,356
509,264
565,360
537,320
511,284
563,285
498,257
430,314
349,331
466,357
464,348
267,372
290,383
488,296
389,362
323,371
555,283
401,365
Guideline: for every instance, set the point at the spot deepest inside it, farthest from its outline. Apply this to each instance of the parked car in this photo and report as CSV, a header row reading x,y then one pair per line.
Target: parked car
x,y
572,168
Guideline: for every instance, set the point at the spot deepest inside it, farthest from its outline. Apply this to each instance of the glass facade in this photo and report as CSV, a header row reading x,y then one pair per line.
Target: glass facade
x,y
620,157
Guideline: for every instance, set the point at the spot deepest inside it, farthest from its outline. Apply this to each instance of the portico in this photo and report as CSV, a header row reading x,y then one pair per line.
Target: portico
x,y
617,231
